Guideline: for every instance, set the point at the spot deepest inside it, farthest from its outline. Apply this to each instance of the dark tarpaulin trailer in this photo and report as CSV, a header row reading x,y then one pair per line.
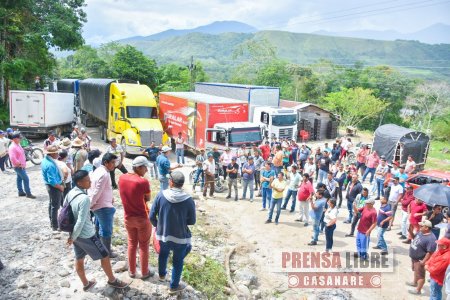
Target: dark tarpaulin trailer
x,y
396,143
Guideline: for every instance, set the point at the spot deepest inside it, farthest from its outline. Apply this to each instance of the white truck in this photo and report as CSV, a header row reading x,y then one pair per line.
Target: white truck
x,y
264,110
276,121
234,134
36,112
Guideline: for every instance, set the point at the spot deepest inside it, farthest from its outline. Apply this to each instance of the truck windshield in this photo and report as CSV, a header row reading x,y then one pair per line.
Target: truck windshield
x,y
247,136
284,120
141,112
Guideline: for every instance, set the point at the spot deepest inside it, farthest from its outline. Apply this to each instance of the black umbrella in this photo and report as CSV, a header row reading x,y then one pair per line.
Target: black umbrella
x,y
433,194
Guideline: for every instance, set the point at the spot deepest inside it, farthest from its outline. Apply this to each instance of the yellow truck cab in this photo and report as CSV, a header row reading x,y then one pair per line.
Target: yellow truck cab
x,y
125,111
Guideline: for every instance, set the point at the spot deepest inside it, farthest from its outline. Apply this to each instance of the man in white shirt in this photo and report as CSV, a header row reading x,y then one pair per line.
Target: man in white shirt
x,y
117,150
209,168
225,160
410,165
4,141
310,168
395,195
294,181
179,148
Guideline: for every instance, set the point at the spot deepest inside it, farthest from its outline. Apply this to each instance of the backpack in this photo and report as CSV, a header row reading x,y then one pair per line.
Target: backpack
x,y
66,219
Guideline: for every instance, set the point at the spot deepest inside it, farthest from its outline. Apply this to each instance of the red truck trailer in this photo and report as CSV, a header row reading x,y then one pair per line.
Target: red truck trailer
x,y
195,115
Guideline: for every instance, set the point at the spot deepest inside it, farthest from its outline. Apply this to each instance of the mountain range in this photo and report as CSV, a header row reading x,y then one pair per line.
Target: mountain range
x,y
435,34
215,45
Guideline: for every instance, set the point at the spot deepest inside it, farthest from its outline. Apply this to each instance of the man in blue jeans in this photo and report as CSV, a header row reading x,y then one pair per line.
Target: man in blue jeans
x,y
366,224
102,199
317,206
248,177
19,163
173,210
354,188
164,168
267,176
294,181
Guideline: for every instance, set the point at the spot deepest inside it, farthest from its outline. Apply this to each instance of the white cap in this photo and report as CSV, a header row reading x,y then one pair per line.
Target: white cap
x,y
97,162
140,161
165,149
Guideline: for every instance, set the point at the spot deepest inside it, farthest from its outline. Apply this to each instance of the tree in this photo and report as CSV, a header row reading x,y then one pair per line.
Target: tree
x,y
129,63
354,105
84,63
28,29
429,101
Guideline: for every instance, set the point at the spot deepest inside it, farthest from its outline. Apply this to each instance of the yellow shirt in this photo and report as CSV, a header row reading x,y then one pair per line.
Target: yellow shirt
x,y
279,185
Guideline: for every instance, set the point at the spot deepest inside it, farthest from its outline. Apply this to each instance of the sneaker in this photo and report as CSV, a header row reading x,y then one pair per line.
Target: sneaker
x,y
400,233
251,200
31,196
312,243
403,237
236,199
377,247
292,210
228,197
181,286
388,229
118,284
262,208
407,242
298,220
268,221
306,224
409,283
22,194
276,222
384,252
347,222
350,234
131,275
162,278
414,292
283,208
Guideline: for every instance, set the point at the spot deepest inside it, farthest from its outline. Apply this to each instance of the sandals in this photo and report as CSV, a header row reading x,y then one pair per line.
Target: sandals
x,y
90,285
118,284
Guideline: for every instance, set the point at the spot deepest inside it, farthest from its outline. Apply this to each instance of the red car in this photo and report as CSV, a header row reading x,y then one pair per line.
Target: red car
x,y
428,176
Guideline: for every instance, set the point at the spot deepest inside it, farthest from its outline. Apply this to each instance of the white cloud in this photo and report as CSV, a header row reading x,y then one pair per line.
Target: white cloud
x,y
114,19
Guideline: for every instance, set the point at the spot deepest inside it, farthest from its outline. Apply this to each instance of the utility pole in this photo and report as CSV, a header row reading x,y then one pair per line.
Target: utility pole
x,y
191,68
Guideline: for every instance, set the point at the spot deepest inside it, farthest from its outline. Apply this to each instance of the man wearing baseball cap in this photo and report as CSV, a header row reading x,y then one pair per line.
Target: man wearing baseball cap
x,y
173,210
135,194
420,251
209,168
164,168
19,163
232,170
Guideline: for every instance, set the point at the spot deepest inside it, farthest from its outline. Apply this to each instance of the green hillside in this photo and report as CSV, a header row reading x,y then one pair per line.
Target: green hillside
x,y
216,51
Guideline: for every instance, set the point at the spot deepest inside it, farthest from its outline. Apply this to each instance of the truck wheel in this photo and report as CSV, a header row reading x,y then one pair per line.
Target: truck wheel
x,y
123,143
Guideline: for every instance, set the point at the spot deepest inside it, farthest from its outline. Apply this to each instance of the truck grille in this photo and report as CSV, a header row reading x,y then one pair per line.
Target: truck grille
x,y
285,133
149,136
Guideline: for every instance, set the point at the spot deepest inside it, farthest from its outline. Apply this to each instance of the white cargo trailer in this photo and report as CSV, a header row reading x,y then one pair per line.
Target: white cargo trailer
x,y
35,112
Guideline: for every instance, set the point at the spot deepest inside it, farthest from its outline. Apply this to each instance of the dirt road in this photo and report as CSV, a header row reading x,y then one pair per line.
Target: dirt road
x,y
40,266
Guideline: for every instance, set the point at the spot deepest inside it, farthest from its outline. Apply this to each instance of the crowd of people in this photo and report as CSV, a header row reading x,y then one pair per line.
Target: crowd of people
x,y
83,178
284,174
281,171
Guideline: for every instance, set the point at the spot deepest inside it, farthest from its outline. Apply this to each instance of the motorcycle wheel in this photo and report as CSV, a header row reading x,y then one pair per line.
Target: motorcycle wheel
x,y
36,156
219,187
351,158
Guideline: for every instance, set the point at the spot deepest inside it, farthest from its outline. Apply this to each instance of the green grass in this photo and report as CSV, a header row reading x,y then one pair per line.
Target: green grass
x,y
205,275
437,159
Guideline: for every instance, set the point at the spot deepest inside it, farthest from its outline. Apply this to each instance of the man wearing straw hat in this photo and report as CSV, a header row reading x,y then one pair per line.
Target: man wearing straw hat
x,y
77,155
54,183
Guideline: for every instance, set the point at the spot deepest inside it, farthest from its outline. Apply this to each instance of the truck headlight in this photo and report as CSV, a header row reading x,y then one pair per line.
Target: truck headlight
x,y
131,141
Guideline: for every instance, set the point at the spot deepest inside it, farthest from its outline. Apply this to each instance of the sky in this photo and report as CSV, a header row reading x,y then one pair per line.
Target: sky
x,y
110,20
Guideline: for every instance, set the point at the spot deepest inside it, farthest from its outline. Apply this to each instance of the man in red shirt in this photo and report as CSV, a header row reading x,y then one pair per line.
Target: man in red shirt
x,y
366,224
135,193
265,150
408,197
416,210
304,194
